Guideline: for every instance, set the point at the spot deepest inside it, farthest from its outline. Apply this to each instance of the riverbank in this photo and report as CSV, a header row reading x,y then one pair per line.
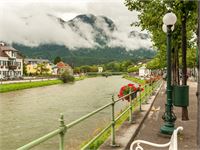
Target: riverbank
x,y
26,85
136,80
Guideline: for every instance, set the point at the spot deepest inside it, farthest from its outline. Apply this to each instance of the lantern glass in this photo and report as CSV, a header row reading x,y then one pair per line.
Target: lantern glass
x,y
169,19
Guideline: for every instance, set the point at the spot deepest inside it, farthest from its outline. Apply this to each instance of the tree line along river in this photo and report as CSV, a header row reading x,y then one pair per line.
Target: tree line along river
x,y
29,114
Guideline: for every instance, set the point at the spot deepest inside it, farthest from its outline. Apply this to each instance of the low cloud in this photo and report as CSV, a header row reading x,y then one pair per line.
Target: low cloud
x,y
29,23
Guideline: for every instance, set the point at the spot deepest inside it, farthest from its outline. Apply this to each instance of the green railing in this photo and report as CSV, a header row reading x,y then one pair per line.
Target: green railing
x,y
142,97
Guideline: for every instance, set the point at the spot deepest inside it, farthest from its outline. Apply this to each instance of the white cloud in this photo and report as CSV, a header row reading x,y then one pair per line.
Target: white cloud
x,y
27,22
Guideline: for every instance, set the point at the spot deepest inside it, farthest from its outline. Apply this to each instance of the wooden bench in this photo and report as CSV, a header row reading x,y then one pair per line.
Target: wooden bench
x,y
173,145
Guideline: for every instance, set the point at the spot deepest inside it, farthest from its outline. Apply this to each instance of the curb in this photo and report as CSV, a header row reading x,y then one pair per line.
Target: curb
x,y
143,119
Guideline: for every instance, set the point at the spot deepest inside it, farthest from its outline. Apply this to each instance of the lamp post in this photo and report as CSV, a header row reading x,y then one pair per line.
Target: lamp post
x,y
169,117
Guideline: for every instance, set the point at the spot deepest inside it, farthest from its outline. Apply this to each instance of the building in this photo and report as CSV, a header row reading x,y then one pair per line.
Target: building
x,y
143,71
32,65
62,67
11,62
100,69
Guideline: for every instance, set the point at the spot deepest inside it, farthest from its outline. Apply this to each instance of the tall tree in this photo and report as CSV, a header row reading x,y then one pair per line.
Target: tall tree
x,y
184,53
150,18
57,60
198,88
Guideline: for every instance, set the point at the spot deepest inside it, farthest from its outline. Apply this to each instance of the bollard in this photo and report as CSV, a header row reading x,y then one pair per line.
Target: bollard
x,y
62,134
145,94
113,122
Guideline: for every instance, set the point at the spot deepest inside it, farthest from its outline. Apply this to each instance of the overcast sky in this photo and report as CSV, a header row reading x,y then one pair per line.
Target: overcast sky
x,y
13,12
67,9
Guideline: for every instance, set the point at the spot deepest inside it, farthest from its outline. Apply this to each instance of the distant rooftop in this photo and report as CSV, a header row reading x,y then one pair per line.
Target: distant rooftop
x,y
31,60
6,47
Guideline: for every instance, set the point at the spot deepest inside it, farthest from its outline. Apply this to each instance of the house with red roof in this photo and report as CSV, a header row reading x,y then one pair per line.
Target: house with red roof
x,y
62,67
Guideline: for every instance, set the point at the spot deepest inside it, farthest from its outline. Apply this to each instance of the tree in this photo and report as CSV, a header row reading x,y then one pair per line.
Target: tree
x,y
57,60
133,69
25,69
42,69
150,18
198,88
66,77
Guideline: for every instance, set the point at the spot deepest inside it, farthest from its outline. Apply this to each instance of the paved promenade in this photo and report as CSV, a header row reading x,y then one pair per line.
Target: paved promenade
x,y
149,121
150,129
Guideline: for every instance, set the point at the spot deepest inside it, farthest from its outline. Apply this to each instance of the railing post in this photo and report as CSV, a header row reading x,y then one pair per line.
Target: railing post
x,y
130,108
113,122
145,94
140,100
62,134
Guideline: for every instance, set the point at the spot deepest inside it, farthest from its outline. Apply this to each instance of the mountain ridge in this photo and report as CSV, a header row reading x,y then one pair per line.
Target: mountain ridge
x,y
99,32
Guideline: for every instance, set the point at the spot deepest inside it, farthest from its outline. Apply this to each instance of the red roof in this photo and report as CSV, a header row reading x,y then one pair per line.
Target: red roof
x,y
60,64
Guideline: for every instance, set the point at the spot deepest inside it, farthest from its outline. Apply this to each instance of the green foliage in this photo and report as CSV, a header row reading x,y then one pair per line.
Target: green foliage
x,y
155,64
26,85
24,70
41,69
133,69
83,56
135,80
57,60
150,18
66,77
191,58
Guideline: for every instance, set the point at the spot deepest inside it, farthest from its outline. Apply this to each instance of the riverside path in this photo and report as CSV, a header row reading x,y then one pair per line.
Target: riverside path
x,y
151,126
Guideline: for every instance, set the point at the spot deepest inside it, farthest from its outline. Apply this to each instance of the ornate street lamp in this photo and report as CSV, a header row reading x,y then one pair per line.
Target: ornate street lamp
x,y
169,117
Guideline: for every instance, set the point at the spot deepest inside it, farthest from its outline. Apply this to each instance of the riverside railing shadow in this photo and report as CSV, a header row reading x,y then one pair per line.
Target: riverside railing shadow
x,y
62,130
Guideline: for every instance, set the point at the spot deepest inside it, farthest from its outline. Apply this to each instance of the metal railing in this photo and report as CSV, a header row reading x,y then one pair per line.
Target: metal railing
x,y
148,90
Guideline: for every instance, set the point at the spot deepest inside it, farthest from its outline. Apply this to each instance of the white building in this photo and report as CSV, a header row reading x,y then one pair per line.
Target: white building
x,y
100,69
11,63
143,71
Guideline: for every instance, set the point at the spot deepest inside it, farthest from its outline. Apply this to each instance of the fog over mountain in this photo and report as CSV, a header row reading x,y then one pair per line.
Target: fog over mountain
x,y
83,31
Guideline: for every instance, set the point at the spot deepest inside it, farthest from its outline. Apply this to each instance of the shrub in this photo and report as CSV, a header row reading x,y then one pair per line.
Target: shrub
x,y
66,77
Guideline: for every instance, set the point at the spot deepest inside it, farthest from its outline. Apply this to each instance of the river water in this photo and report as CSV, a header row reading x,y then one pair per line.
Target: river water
x,y
28,114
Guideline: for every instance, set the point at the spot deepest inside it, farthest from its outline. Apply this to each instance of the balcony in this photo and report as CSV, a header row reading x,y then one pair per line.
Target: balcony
x,y
12,67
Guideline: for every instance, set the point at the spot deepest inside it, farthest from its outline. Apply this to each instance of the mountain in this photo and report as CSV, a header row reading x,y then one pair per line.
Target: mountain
x,y
97,40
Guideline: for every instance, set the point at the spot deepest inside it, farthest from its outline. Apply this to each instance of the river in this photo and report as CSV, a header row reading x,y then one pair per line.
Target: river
x,y
28,114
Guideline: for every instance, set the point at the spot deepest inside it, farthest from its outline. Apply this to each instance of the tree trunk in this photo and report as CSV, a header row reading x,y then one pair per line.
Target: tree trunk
x,y
173,67
198,88
177,66
184,53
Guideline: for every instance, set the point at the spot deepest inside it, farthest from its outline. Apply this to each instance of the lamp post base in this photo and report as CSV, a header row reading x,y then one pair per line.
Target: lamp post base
x,y
167,128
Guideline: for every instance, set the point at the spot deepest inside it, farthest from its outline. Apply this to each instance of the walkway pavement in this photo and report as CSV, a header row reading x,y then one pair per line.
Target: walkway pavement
x,y
148,123
150,129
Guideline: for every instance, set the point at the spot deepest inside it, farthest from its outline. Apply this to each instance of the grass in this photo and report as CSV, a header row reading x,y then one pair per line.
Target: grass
x,y
26,85
80,78
95,145
136,80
